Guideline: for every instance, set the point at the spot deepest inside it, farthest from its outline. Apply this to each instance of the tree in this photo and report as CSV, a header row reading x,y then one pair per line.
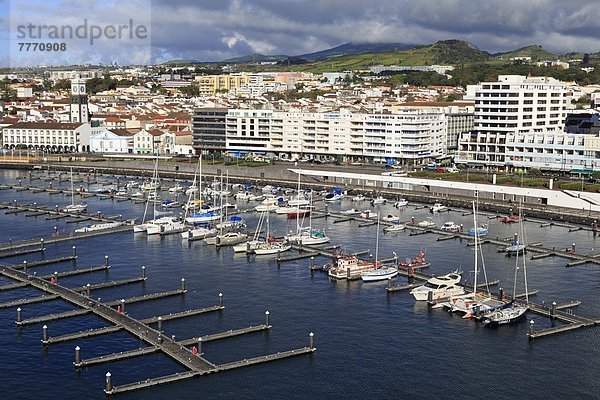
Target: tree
x,y
586,59
190,91
62,84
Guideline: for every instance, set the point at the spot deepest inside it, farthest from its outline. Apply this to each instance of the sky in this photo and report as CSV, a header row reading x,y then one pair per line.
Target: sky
x,y
213,30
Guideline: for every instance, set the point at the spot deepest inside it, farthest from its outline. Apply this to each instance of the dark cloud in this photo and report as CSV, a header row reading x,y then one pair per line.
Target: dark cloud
x,y
211,30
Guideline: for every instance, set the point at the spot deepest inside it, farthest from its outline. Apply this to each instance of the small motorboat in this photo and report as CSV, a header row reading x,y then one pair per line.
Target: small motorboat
x,y
481,231
359,197
171,204
438,207
378,200
395,227
176,189
352,211
391,218
450,227
401,203
368,214
427,223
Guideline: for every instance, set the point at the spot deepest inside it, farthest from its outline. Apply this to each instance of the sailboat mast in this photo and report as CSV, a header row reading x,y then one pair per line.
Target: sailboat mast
x,y
522,233
155,181
72,191
377,242
476,249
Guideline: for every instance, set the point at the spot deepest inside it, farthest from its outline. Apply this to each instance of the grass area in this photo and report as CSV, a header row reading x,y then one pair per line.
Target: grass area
x,y
507,180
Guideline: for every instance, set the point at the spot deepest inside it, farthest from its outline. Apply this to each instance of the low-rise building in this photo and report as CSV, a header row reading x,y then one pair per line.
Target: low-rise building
x,y
53,137
106,140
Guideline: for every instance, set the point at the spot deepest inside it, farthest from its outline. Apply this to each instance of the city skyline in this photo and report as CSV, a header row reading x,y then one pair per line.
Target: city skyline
x,y
214,31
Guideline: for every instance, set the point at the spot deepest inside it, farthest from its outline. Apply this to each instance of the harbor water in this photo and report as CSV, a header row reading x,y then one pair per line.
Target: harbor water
x,y
370,343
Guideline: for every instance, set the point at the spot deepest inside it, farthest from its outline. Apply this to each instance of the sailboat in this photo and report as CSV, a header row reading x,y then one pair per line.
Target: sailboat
x,y
154,226
511,313
270,245
472,303
250,245
308,235
381,272
225,238
202,213
74,208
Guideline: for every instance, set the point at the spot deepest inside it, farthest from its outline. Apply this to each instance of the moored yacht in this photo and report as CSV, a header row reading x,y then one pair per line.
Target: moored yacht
x,y
440,287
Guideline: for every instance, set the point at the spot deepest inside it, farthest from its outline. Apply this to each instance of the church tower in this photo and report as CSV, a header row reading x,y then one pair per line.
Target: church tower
x,y
79,101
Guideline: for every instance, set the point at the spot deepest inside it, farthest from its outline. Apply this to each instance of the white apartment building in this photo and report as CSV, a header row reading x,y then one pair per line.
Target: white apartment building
x,y
54,137
513,107
407,136
153,141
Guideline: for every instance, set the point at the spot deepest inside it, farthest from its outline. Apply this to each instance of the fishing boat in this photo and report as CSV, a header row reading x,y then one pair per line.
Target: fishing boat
x,y
74,208
418,262
395,227
98,227
401,203
350,267
440,287
450,226
438,207
391,218
511,218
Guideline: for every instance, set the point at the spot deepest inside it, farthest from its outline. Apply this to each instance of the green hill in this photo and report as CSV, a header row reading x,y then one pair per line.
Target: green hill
x,y
451,52
536,52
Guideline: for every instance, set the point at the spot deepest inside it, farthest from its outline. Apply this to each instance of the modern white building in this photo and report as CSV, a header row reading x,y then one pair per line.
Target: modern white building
x,y
406,136
512,109
52,137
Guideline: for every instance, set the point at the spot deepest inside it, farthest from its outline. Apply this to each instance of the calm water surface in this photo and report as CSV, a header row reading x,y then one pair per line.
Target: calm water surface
x,y
369,343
